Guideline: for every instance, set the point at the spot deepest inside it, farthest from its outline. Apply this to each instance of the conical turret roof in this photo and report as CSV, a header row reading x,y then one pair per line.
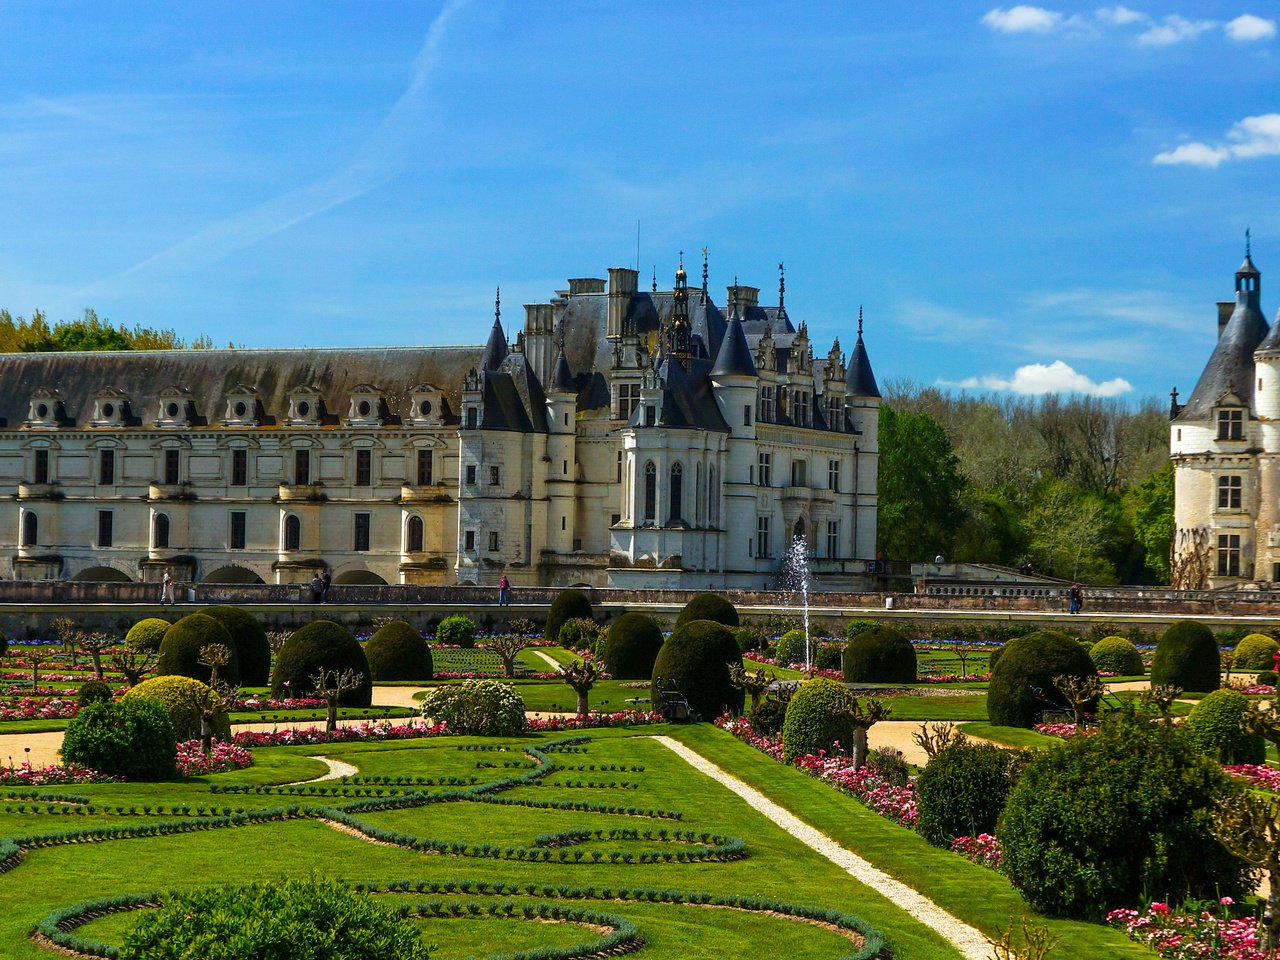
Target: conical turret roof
x,y
495,350
734,357
1231,363
562,376
859,380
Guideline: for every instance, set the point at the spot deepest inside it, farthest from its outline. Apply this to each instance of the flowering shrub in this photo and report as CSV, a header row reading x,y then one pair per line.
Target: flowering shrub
x,y
594,719
984,850
1259,775
279,703
26,775
360,732
1064,730
194,762
953,677
1186,936
36,708
486,708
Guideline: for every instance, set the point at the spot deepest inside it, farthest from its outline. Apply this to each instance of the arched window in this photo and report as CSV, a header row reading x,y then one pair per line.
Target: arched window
x,y
413,536
676,491
160,531
650,492
292,532
30,529
713,497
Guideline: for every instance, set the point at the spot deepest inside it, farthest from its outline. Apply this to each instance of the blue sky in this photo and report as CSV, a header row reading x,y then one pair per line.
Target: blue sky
x,y
1021,197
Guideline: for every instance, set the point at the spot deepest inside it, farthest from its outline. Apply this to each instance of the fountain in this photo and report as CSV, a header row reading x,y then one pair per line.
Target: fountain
x,y
796,577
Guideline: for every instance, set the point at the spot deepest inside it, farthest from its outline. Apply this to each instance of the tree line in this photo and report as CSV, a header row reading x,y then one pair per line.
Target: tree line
x,y
89,332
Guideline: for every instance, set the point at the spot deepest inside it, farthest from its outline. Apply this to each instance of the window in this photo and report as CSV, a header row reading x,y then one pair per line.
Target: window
x,y
239,468
106,466
564,468
160,531
800,411
713,497
173,466
1230,424
361,532
471,474
799,473
495,476
650,415
628,399
1229,490
650,492
301,467
413,536
833,475
833,538
746,414
764,471
364,468
493,541
30,529
762,536
834,420
472,418
1228,555
675,490
766,412
237,529
424,468
469,541
41,467
619,468
105,521
292,533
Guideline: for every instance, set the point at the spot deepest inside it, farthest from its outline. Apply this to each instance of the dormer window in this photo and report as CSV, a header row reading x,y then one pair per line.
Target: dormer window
x,y
426,406
305,406
366,407
45,409
110,408
242,407
1231,424
176,407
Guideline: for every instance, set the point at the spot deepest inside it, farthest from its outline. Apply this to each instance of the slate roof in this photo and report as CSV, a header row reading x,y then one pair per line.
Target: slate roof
x,y
1231,363
734,357
859,381
562,377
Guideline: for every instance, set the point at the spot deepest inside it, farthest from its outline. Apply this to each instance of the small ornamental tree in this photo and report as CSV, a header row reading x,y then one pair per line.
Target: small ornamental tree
x,y
484,708
754,684
1117,655
1187,657
180,649
709,606
147,634
457,631
508,647
93,643
1248,824
962,790
1257,651
331,685
35,656
862,716
582,675
195,709
133,658
579,633
1215,727
66,630
815,719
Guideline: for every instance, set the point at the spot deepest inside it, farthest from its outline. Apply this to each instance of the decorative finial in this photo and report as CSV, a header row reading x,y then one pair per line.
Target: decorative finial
x,y
704,273
1248,242
681,259
655,278
859,320
497,304
1173,394
782,285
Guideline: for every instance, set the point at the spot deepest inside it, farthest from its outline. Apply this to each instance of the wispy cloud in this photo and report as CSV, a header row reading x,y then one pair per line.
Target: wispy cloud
x,y
1035,379
1023,19
1152,31
1174,29
1252,137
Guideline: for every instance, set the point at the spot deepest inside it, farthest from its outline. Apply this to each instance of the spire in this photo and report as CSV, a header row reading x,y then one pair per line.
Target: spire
x,y
782,287
1174,407
680,330
562,376
704,275
1247,276
654,288
1245,333
859,381
734,358
859,321
495,350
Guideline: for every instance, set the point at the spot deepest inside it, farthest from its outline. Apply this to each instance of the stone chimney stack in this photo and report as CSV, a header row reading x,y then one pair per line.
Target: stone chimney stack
x,y
1225,309
622,287
745,298
539,346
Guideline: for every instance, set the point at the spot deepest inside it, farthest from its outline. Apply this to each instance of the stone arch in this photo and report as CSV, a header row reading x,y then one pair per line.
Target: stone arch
x,y
231,573
359,577
102,574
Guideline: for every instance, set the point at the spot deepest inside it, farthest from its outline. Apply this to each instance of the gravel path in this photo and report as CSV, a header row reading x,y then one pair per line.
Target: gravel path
x,y
337,770
969,941
555,664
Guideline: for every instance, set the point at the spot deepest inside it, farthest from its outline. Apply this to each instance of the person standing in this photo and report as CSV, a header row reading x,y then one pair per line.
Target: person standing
x,y
326,582
504,592
166,588
317,588
1075,599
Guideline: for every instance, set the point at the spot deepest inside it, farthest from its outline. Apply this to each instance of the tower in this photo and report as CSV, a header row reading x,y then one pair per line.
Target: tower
x,y
679,329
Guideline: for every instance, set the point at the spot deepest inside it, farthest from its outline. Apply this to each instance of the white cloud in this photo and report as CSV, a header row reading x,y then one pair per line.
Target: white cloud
x,y
1174,29
1022,19
1247,27
1121,16
1035,379
1252,137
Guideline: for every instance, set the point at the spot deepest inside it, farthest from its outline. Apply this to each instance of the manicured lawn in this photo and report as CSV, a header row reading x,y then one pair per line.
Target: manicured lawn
x,y
1009,736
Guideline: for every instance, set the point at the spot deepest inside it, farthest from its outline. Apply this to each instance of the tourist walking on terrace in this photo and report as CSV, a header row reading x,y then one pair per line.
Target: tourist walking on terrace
x,y
504,592
166,588
326,581
1075,599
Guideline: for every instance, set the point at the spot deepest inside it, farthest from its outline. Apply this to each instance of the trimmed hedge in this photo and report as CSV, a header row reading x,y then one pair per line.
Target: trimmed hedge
x,y
180,649
326,645
962,791
709,606
1257,651
457,631
250,639
93,691
811,723
631,647
1117,655
129,738
880,654
147,634
696,659
1027,665
1214,727
397,651
1187,657
568,605
768,718
182,697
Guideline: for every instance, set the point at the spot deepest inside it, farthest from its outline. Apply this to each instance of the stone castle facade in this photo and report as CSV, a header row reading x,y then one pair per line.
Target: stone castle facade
x,y
625,438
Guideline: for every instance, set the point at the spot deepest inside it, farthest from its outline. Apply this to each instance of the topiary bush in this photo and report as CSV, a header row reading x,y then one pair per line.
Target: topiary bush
x,y
253,651
963,790
631,647
180,649
184,699
1257,651
314,919
767,718
396,651
994,657
1214,727
1107,820
696,660
568,605
1267,676
457,631
1187,657
93,691
319,645
880,655
1117,655
790,648
1027,665
890,765
855,627
128,738
483,708
813,721
829,656
147,634
709,606
4,644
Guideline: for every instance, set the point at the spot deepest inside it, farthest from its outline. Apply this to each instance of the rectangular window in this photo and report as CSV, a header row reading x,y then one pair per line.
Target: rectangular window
x,y
41,467
746,414
628,399
105,528
364,468
834,420
618,478
833,538
173,466
495,476
361,532
765,414
471,474
650,415
469,540
237,529
106,466
239,468
799,473
302,467
1229,491
1230,424
424,468
493,541
833,475
471,418
801,412
1228,555
762,537
764,469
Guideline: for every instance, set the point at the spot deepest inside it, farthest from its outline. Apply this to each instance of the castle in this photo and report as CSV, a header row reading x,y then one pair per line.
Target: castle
x,y
626,438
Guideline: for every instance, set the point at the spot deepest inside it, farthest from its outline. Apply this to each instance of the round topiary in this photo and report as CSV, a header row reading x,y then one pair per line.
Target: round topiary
x,y
855,627
4,644
767,718
1257,651
180,649
880,655
709,606
321,645
484,708
397,651
1022,682
568,605
457,631
147,634
632,646
1214,727
253,650
962,791
790,648
1187,657
1117,655
126,738
813,721
185,699
93,691
994,657
695,660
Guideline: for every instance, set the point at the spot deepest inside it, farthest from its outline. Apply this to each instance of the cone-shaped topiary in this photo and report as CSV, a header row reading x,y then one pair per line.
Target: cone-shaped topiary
x,y
180,650
147,634
812,721
632,646
319,645
568,605
252,649
1022,682
880,655
1214,727
398,652
1257,651
1187,657
709,606
184,698
696,660
1117,655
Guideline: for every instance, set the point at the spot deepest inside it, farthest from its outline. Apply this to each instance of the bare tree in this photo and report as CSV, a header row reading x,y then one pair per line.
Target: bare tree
x,y
1248,824
213,656
331,685
1037,943
93,644
133,660
1161,698
582,675
1080,692
507,648
1191,559
276,639
66,630
862,718
35,657
755,683
933,738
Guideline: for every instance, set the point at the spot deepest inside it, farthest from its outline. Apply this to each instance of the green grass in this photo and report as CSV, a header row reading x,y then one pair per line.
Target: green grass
x,y
1009,736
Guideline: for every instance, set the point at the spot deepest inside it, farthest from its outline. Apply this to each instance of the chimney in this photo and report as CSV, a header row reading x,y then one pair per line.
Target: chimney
x,y
581,285
746,298
622,287
1225,309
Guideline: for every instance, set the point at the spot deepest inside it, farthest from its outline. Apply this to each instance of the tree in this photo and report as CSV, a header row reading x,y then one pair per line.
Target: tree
x,y
862,718
507,647
582,675
67,633
1153,520
1068,533
93,643
1248,824
756,684
330,685
919,488
133,660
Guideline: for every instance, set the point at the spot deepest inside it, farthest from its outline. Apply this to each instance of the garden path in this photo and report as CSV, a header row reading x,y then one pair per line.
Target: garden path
x,y
555,664
898,734
337,770
396,696
968,940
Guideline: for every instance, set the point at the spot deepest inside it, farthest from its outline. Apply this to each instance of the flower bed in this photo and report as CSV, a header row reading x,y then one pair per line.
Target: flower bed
x,y
594,720
926,677
194,762
362,732
1064,730
29,776
772,662
1186,936
284,703
1259,775
36,708
984,850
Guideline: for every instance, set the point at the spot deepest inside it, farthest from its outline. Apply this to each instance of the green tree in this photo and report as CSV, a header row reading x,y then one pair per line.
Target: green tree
x,y
920,487
1153,519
